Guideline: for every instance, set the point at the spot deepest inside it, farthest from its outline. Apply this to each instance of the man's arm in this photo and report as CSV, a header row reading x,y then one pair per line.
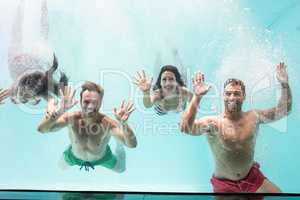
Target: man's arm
x,y
52,124
124,133
192,126
284,105
189,124
55,117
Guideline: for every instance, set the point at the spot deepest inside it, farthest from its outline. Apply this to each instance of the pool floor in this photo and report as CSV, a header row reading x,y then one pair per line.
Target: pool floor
x,y
61,195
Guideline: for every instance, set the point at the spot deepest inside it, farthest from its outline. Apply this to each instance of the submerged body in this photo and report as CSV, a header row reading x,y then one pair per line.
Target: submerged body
x,y
171,103
89,141
87,144
32,76
233,145
31,81
169,92
232,135
89,130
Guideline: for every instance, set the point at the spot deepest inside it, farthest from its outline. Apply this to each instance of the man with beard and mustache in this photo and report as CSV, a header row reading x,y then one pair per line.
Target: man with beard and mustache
x,y
232,134
89,130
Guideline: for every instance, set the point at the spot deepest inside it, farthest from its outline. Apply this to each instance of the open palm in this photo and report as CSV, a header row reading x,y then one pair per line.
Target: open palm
x,y
142,81
281,73
67,98
122,114
200,88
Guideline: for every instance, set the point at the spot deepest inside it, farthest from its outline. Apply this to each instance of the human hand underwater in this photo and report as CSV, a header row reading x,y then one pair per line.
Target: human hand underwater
x,y
281,73
200,88
52,109
4,94
55,108
122,114
67,98
142,81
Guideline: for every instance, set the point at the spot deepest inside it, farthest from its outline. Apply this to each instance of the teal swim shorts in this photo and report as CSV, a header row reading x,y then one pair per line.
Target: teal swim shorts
x,y
108,160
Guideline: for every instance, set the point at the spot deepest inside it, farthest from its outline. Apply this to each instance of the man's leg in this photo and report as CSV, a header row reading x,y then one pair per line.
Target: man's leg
x,y
268,187
121,158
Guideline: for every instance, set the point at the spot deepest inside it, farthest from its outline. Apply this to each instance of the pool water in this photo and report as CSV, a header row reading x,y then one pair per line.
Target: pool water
x,y
108,41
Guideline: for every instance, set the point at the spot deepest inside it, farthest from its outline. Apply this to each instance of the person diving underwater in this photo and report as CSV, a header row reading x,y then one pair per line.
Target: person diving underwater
x,y
33,78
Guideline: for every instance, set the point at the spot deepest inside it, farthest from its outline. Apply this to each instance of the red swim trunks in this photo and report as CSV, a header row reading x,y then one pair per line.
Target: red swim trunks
x,y
250,183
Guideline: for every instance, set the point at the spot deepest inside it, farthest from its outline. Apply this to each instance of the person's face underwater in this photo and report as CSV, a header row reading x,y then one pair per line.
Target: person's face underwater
x,y
233,98
29,87
168,82
90,103
27,95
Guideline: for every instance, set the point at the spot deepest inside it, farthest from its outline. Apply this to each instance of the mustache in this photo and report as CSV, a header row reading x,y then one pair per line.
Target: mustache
x,y
233,105
90,110
233,101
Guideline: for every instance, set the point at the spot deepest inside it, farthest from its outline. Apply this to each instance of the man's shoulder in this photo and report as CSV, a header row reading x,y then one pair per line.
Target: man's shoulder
x,y
251,114
213,121
72,115
212,118
105,120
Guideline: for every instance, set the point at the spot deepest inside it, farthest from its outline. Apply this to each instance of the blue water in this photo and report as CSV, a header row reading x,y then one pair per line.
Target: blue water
x,y
108,41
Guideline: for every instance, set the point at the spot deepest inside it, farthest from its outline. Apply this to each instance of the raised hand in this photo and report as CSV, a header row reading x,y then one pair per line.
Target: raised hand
x,y
67,98
142,81
52,109
281,73
55,108
4,94
198,84
122,114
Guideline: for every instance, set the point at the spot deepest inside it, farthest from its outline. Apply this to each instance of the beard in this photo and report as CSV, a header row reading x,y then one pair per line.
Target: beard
x,y
233,106
90,112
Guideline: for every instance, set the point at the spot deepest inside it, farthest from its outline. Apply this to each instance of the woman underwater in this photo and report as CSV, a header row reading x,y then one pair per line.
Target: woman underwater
x,y
32,76
169,92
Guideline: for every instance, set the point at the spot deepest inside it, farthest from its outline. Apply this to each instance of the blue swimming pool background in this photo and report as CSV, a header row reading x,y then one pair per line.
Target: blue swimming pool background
x,y
108,41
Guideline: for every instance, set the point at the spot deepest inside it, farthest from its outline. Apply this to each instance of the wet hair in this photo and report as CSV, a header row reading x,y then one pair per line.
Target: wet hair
x,y
172,69
35,84
39,84
90,86
235,82
52,85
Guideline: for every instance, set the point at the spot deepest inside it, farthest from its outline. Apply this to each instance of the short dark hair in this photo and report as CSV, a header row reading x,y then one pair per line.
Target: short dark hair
x,y
235,81
90,86
172,69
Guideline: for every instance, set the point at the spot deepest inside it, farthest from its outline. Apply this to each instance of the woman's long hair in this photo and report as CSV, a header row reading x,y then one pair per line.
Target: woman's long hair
x,y
172,69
